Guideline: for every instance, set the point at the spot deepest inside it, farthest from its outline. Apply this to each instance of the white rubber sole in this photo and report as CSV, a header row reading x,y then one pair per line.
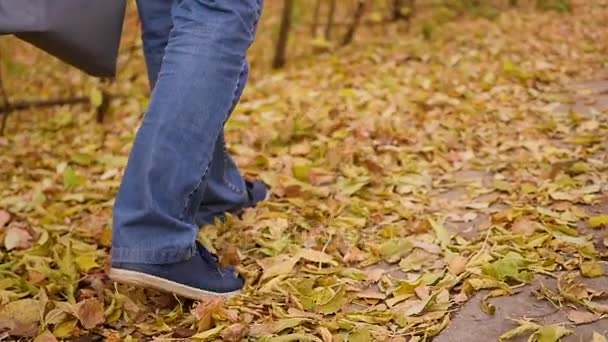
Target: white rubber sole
x,y
152,282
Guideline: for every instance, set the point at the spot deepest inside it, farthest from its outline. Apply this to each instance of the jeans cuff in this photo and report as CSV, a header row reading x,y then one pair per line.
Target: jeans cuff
x,y
153,256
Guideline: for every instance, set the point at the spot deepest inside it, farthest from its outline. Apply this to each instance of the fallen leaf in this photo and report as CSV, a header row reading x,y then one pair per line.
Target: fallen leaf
x,y
86,261
591,269
523,328
17,238
46,336
278,265
550,333
441,232
5,217
20,317
457,264
260,330
317,256
361,335
295,337
524,226
581,317
229,256
597,337
333,304
234,332
65,329
205,310
208,334
90,313
181,332
594,222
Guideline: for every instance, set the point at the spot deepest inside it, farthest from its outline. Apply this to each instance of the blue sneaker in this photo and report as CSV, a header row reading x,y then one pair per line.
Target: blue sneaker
x,y
209,211
257,192
195,278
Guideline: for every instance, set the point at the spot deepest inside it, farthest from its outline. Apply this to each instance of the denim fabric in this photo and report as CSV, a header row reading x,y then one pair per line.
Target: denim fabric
x,y
179,173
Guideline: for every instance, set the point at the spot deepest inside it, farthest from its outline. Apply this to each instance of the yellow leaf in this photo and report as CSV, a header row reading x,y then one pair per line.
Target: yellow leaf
x,y
65,329
598,221
96,97
87,261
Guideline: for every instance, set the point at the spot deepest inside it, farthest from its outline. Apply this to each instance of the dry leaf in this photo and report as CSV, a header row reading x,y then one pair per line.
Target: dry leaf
x,y
229,256
524,226
317,256
20,317
205,310
45,337
234,332
5,217
457,264
581,317
17,238
90,313
597,337
279,265
260,330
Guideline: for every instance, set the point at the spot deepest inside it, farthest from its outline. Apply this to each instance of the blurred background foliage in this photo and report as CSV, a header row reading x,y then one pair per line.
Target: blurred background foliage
x,y
290,30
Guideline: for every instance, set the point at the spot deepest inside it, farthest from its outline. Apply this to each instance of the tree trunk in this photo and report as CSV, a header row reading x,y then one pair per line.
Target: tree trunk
x,y
315,19
279,57
397,6
412,6
330,19
350,33
7,104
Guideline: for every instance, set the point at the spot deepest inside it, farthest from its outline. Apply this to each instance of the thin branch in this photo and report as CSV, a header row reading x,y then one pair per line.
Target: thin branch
x,y
54,102
7,104
43,103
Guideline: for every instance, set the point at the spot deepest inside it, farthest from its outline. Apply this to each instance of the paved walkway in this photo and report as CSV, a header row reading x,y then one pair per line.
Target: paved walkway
x,y
471,324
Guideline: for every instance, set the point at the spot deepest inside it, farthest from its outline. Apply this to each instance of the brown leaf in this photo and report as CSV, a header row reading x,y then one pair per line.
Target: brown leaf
x,y
420,227
234,333
20,317
90,313
457,264
373,274
45,337
183,332
5,217
354,256
325,334
229,256
524,226
277,265
35,277
259,330
396,339
422,291
461,297
205,310
17,238
581,317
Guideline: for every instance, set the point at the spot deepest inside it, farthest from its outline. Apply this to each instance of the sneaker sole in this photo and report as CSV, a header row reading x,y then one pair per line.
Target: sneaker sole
x,y
152,282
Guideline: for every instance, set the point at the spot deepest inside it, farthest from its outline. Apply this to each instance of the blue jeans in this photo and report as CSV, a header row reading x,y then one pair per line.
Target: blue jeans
x,y
179,174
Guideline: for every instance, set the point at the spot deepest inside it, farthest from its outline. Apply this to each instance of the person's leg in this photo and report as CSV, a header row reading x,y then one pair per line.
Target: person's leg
x,y
165,179
226,190
156,22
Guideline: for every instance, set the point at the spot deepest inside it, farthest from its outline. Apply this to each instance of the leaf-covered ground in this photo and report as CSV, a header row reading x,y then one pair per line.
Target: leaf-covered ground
x,y
407,175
